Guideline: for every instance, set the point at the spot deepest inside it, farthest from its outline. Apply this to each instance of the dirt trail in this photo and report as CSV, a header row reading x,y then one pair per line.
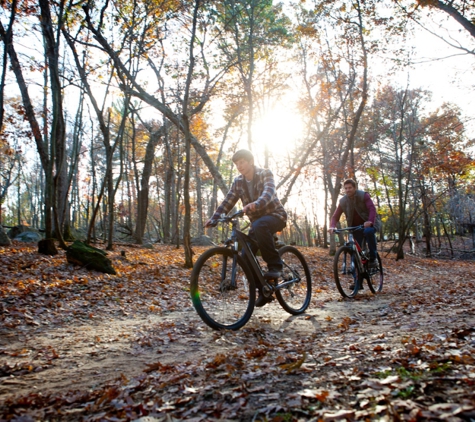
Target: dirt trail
x,y
88,355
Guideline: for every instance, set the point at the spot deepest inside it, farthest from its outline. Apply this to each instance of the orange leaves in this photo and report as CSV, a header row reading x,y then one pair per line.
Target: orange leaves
x,y
256,352
290,367
320,395
218,360
346,322
307,30
20,353
153,367
51,353
108,395
465,359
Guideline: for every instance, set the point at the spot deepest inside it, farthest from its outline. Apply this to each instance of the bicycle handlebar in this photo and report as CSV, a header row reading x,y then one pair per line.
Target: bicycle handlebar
x,y
349,229
227,218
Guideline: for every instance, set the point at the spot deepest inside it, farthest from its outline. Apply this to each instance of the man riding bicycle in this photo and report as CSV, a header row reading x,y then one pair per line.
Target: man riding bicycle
x,y
255,187
359,209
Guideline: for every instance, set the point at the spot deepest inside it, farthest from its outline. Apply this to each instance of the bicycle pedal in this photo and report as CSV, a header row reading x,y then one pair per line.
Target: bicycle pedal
x,y
262,300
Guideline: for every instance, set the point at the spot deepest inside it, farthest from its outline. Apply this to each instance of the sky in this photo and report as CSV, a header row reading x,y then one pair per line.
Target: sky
x,y
436,67
442,69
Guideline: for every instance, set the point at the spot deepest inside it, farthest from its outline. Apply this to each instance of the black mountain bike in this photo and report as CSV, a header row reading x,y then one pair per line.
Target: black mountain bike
x,y
224,281
351,266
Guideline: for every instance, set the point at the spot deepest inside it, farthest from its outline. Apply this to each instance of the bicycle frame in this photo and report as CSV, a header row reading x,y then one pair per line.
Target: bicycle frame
x,y
250,258
354,245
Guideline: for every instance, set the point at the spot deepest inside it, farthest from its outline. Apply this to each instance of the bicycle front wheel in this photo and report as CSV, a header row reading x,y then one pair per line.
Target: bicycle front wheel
x,y
222,291
375,277
346,272
295,296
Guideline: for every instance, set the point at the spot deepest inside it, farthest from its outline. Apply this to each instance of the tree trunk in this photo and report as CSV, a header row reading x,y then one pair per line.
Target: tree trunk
x,y
427,225
143,193
41,145
187,217
58,127
199,198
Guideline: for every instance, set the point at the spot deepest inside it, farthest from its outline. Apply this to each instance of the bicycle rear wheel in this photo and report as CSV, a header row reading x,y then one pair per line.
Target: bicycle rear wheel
x,y
221,289
294,297
375,277
346,272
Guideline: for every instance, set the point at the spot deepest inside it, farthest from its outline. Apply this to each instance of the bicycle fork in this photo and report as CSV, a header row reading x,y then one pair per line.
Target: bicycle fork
x,y
355,262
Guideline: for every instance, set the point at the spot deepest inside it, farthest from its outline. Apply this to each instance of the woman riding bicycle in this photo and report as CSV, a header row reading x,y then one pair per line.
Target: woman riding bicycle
x,y
255,187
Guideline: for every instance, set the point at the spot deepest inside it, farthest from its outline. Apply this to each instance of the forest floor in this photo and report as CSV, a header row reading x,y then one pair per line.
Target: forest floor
x,y
81,345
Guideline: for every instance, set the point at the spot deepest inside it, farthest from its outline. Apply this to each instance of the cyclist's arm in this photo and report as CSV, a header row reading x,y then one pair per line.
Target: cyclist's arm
x,y
371,210
210,223
335,218
227,205
249,207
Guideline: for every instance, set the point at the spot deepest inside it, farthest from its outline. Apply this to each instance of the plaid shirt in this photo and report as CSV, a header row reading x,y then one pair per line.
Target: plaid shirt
x,y
265,196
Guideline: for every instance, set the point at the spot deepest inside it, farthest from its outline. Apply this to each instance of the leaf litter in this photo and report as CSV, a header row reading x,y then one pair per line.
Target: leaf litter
x,y
81,345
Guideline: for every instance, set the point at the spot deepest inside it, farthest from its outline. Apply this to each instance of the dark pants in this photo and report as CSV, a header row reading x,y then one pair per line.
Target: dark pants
x,y
369,234
262,231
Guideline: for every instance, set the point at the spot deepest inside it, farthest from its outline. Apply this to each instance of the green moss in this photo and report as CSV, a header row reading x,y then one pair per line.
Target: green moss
x,y
90,257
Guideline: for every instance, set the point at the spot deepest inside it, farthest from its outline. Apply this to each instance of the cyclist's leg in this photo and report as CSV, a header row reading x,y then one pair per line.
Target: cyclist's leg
x,y
262,230
247,260
370,236
358,235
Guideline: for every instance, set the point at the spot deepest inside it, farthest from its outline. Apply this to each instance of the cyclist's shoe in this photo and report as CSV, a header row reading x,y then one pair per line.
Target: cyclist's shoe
x,y
351,286
262,300
272,274
373,264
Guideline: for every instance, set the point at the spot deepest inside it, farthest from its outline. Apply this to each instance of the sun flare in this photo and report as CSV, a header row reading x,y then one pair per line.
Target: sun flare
x,y
279,130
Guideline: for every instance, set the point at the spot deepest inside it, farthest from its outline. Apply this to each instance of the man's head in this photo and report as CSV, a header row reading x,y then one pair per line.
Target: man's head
x,y
243,154
350,187
244,161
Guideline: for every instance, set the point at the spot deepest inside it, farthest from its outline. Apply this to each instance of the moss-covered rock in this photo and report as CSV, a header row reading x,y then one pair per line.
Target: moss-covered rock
x,y
90,257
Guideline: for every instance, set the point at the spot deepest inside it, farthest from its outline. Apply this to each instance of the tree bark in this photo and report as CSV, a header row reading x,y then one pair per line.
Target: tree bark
x,y
143,193
58,128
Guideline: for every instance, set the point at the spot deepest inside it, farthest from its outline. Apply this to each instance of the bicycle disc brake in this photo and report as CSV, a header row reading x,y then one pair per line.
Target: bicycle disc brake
x,y
227,285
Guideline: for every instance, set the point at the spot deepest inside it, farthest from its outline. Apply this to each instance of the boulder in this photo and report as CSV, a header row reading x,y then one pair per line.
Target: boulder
x,y
79,253
16,230
28,236
4,239
202,241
